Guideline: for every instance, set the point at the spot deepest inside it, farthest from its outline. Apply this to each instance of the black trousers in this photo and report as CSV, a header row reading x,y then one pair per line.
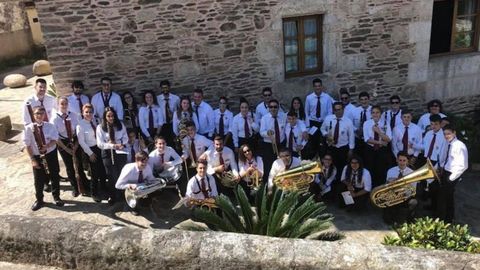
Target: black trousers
x,y
69,166
376,161
98,172
167,133
316,144
339,156
40,177
360,147
399,213
446,201
268,156
113,171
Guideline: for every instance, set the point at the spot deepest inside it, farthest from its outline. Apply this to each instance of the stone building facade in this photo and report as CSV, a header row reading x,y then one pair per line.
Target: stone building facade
x,y
235,48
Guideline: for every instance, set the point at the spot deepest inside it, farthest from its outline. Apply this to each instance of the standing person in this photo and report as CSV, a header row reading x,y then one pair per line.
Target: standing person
x,y
251,170
262,108
356,179
130,112
318,105
433,107
284,163
244,127
454,162
183,114
296,134
348,107
407,137
65,123
163,157
377,136
107,98
111,139
393,116
202,185
168,103
77,100
325,187
204,114
40,139
150,118
339,132
87,138
360,116
223,119
297,106
39,98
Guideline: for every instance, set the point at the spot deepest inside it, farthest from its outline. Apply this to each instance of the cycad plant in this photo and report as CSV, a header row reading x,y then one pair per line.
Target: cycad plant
x,y
280,215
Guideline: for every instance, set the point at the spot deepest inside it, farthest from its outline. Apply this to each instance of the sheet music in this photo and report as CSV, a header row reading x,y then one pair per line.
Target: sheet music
x,y
347,198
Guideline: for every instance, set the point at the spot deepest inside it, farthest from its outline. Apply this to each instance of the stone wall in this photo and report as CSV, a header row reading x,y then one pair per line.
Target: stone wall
x,y
81,245
15,36
235,47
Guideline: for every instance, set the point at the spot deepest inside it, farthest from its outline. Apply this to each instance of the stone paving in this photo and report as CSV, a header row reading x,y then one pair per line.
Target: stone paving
x,y
17,194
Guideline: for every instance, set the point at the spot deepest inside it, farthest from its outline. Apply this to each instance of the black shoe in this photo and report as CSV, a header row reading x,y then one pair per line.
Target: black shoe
x,y
47,188
75,193
59,202
37,205
111,201
134,212
96,199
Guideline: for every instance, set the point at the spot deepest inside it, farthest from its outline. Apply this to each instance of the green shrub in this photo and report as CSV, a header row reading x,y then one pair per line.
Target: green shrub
x,y
433,234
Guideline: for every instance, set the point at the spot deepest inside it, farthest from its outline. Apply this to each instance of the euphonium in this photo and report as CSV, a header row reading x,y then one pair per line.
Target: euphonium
x,y
299,178
132,196
401,189
171,173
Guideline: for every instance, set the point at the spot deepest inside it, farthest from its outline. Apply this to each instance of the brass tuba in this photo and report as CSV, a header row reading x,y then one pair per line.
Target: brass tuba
x,y
299,178
401,189
142,191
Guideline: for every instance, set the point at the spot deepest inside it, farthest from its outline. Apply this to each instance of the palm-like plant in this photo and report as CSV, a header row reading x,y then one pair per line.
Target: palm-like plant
x,y
280,215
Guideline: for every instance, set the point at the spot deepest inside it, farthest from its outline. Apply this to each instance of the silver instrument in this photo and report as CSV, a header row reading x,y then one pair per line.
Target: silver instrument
x,y
171,173
142,191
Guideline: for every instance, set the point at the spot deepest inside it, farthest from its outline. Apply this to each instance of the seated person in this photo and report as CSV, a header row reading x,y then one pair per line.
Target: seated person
x,y
162,158
134,146
395,213
282,164
356,179
135,174
324,186
201,186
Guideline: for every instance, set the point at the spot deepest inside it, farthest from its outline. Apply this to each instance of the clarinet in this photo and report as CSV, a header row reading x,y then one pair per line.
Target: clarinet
x,y
39,141
30,111
110,132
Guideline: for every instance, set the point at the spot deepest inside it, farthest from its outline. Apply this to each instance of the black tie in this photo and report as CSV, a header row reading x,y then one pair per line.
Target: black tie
x,y
221,126
318,114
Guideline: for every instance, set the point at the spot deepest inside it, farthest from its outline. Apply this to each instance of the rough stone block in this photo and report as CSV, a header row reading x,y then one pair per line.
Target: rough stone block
x,y
15,80
6,122
3,132
42,68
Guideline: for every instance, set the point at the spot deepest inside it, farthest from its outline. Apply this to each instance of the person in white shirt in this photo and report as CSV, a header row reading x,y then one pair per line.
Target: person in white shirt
x,y
163,157
223,119
393,116
454,162
77,99
130,112
243,126
318,105
251,170
356,179
66,123
182,115
407,137
348,107
394,214
204,114
324,187
134,146
295,133
40,139
262,108
112,138
40,98
221,160
134,175
284,163
168,103
340,136
87,138
150,117
360,116
377,135
107,98
201,186
433,107
297,106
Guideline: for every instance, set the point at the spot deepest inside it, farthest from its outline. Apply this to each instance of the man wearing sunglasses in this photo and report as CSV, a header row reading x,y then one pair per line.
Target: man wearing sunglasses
x,y
107,98
262,108
434,107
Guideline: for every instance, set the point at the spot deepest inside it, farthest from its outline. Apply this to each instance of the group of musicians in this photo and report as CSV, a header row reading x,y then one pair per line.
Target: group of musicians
x,y
126,144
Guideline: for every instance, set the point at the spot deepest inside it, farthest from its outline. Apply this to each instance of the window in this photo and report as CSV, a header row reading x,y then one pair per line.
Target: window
x,y
302,41
455,26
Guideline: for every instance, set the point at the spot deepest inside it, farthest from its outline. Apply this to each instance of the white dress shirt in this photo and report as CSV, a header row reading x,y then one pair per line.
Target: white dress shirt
x,y
170,158
369,134
86,135
358,113
74,106
424,120
278,167
268,123
437,146
129,175
387,117
49,132
227,121
205,120
256,162
113,101
238,127
364,183
176,120
49,103
393,173
143,117
457,162
173,101
201,145
326,102
298,130
59,123
262,109
414,138
194,187
103,138
213,159
348,111
346,135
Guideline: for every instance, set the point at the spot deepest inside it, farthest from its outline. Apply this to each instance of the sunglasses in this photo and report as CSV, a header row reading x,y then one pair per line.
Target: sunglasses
x,y
267,95
273,107
246,151
395,102
344,98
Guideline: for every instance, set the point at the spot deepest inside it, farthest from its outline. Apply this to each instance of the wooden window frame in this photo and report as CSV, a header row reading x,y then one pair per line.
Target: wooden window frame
x,y
301,46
